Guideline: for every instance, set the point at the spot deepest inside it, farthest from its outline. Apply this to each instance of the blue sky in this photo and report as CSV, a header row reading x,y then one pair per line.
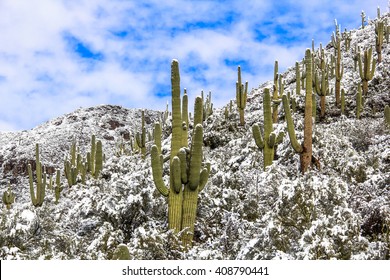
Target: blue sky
x,y
57,56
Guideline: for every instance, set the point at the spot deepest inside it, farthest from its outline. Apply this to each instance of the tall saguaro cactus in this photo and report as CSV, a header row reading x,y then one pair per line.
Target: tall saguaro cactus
x,y
366,73
38,198
336,39
187,176
305,149
241,96
270,140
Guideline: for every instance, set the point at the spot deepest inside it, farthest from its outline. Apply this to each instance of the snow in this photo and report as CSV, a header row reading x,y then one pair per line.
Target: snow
x,y
341,211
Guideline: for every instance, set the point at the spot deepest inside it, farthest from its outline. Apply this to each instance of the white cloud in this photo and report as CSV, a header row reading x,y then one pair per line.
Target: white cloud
x,y
41,75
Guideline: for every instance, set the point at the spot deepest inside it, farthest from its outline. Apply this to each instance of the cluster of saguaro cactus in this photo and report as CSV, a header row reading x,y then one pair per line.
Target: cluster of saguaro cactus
x,y
366,69
141,137
379,32
8,197
241,96
270,141
347,39
38,197
71,169
304,149
78,165
207,106
187,176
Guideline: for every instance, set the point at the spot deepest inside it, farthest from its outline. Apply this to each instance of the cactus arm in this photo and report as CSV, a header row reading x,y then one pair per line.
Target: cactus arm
x,y
271,140
290,126
176,174
204,176
157,172
157,136
257,136
198,111
196,157
183,162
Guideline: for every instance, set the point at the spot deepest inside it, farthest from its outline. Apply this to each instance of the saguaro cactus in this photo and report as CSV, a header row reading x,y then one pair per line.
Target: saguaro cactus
x,y
187,176
379,32
363,15
366,73
58,188
336,39
270,140
241,96
322,89
141,137
304,149
8,197
37,200
278,89
359,102
297,78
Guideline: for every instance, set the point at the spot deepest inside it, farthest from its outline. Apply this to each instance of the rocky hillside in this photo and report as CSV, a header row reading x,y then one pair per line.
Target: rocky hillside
x,y
341,210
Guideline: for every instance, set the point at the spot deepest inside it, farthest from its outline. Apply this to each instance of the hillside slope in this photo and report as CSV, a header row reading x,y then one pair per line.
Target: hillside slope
x,y
341,211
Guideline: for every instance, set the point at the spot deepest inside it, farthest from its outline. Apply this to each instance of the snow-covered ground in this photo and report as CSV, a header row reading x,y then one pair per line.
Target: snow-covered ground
x,y
341,211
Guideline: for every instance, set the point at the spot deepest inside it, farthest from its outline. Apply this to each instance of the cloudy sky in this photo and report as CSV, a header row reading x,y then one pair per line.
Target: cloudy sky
x,y
57,56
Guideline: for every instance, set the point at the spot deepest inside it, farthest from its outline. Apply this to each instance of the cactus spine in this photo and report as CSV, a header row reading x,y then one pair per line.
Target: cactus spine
x,y
241,96
187,176
366,73
8,197
304,149
270,141
38,198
